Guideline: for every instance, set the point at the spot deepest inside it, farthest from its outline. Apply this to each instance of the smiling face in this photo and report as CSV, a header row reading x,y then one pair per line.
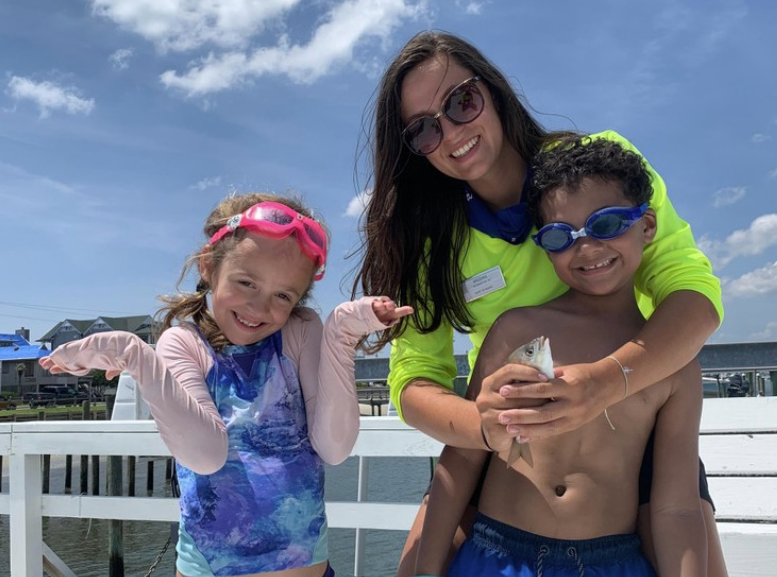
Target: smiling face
x,y
256,286
467,151
592,266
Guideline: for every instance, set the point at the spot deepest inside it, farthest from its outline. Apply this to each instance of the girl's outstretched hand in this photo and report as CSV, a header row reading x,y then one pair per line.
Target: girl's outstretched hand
x,y
387,310
103,351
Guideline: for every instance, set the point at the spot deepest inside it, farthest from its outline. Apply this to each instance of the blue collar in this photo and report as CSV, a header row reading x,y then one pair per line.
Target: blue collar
x,y
511,224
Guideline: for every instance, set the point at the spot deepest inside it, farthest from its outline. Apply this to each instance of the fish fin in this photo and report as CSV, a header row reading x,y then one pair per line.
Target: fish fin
x,y
519,451
515,453
526,454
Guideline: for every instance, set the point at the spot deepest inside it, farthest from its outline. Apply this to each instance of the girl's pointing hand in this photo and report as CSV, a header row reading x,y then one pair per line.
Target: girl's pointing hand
x,y
387,310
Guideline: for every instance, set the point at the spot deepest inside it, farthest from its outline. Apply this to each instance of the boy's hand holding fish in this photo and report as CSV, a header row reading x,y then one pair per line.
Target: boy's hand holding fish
x,y
528,365
536,353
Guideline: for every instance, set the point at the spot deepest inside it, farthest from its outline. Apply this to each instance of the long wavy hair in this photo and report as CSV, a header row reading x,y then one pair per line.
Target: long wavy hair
x,y
193,307
414,231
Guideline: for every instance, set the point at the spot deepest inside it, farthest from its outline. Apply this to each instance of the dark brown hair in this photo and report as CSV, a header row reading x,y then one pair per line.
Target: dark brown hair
x,y
194,306
414,231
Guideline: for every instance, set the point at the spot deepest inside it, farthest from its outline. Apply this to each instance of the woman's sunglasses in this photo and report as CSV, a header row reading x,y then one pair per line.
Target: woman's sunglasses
x,y
463,104
604,224
276,220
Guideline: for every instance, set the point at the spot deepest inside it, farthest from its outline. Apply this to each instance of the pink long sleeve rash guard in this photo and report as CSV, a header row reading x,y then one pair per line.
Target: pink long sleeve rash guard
x,y
172,380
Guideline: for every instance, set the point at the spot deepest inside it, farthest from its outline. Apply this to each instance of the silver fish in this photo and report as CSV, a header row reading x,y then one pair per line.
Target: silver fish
x,y
535,353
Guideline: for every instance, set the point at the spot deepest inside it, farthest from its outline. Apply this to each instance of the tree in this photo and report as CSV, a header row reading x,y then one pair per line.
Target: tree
x,y
99,382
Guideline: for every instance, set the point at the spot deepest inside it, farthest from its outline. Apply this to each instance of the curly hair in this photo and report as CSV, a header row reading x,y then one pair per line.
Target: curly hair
x,y
193,307
571,160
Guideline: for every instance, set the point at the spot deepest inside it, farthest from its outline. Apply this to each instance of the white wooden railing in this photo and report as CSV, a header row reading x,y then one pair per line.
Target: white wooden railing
x,y
738,444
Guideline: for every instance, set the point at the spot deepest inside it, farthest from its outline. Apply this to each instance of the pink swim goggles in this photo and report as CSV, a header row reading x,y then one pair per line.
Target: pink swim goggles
x,y
276,220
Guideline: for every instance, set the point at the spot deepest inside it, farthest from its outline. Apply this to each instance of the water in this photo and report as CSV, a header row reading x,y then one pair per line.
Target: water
x,y
83,543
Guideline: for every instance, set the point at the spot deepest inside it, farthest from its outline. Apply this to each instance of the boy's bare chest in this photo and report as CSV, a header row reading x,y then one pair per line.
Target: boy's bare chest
x,y
585,339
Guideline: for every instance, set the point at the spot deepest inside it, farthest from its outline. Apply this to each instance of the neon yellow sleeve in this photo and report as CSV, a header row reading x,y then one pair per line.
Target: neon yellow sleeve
x,y
415,355
671,262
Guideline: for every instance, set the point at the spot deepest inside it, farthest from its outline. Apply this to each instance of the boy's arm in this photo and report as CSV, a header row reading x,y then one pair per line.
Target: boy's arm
x,y
458,471
677,521
455,479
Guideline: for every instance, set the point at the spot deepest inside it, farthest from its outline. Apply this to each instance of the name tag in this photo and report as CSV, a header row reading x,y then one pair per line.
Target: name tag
x,y
483,283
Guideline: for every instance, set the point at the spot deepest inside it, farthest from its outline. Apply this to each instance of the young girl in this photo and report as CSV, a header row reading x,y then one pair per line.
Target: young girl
x,y
250,393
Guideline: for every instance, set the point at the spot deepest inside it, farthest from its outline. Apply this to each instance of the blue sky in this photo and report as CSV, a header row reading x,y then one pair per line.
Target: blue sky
x,y
123,122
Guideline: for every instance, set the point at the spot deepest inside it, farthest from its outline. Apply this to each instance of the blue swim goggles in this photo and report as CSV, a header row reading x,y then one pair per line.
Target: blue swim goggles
x,y
604,224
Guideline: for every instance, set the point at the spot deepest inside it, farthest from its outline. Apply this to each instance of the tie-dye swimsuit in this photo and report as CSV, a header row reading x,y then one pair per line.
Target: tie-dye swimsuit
x,y
264,510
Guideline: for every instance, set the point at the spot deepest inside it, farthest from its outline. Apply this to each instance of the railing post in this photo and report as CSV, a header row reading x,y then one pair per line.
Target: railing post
x,y
131,475
68,474
26,524
361,495
83,473
115,527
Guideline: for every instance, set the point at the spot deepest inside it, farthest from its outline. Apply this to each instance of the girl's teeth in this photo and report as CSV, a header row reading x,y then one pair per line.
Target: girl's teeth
x,y
246,323
466,148
600,265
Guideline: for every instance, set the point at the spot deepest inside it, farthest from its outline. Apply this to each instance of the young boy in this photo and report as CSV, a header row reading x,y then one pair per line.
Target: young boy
x,y
573,510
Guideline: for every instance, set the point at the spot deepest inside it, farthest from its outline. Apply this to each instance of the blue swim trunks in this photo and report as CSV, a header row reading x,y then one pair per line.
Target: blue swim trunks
x,y
501,550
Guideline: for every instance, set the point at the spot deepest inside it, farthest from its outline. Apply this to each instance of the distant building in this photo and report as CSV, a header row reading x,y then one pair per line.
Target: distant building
x,y
19,368
71,330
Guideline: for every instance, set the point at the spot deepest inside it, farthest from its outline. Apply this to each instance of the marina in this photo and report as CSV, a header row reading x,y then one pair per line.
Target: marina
x,y
369,510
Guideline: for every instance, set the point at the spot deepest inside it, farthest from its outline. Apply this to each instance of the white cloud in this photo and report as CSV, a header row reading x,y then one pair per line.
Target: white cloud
x,y
40,188
718,26
768,333
728,195
183,25
682,34
755,283
475,8
120,59
759,138
332,43
49,96
358,204
206,183
773,173
761,235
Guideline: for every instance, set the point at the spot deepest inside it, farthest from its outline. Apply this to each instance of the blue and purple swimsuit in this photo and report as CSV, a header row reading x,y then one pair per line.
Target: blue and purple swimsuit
x,y
264,510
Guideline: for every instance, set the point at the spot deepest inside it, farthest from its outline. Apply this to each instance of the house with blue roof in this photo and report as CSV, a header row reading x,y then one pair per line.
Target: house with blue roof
x,y
19,368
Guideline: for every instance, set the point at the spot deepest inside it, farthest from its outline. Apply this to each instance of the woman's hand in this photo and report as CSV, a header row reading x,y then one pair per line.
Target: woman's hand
x,y
577,395
387,310
499,404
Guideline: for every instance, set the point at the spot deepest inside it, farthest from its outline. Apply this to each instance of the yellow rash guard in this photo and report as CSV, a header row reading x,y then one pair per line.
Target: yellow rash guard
x,y
670,263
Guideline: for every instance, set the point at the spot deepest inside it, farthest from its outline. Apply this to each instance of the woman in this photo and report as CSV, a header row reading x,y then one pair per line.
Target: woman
x,y
445,233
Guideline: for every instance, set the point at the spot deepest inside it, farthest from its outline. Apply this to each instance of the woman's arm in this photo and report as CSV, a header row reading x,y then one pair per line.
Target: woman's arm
x,y
671,338
421,380
677,522
421,373
675,278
